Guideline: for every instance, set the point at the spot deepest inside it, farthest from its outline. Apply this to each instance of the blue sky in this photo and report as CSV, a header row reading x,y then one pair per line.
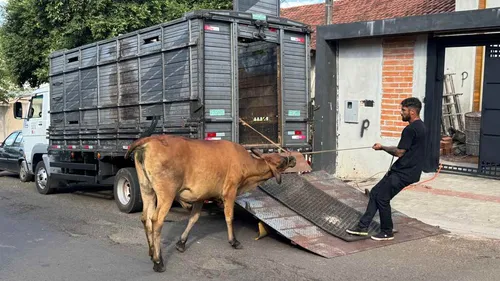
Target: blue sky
x,y
2,2
291,3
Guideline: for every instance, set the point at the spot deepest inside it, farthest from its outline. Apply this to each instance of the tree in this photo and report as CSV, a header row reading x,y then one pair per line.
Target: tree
x,y
32,29
5,84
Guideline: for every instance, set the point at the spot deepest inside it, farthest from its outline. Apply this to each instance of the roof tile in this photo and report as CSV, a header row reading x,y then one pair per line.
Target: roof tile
x,y
346,11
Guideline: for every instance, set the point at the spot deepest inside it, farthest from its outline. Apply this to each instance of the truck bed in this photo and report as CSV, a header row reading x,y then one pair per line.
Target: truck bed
x,y
185,72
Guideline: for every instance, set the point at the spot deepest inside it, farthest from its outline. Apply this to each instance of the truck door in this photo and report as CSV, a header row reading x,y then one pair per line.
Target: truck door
x,y
34,131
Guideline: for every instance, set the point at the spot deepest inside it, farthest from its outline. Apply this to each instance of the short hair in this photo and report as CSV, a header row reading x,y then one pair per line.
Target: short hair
x,y
412,103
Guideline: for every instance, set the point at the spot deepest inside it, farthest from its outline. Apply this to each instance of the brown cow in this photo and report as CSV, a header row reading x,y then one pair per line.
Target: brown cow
x,y
190,171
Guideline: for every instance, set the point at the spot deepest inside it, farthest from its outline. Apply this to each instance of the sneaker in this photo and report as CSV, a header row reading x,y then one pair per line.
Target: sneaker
x,y
357,231
383,236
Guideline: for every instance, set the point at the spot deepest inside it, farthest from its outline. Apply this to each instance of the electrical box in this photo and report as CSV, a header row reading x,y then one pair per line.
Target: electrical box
x,y
351,111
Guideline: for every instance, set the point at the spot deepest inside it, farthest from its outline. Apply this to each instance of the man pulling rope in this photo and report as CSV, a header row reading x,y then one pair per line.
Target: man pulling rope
x,y
405,171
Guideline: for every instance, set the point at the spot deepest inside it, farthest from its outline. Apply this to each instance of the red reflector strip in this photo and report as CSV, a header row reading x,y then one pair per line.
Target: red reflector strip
x,y
213,135
88,147
126,147
301,137
56,146
71,146
298,132
213,138
272,29
298,39
211,28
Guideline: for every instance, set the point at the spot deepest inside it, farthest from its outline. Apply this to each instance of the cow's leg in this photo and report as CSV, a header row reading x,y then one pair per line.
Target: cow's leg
x,y
149,202
165,194
229,198
195,215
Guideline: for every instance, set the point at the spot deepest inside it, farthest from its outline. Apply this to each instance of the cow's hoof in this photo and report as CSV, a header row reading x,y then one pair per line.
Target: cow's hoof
x,y
181,246
236,244
159,266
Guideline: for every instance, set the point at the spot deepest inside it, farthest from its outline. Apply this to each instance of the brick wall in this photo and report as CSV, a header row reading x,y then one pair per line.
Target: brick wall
x,y
397,82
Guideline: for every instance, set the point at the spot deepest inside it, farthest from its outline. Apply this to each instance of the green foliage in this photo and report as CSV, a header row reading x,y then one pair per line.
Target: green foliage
x,y
32,29
5,83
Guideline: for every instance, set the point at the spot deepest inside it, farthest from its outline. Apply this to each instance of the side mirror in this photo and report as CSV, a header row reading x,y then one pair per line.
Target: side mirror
x,y
18,110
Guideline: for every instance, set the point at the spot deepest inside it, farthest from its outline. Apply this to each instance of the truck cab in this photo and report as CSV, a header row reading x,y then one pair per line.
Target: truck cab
x,y
34,131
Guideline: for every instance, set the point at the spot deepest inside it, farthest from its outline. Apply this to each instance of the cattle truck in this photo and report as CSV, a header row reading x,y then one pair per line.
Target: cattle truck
x,y
195,76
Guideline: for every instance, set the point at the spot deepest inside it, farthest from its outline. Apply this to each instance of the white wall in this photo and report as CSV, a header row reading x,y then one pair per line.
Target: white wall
x,y
461,63
360,78
420,70
492,3
459,60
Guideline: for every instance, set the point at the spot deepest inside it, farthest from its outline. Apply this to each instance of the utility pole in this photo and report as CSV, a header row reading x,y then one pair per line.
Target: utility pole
x,y
328,11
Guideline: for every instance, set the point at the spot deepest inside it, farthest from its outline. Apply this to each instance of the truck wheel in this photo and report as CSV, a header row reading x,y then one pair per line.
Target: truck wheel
x,y
127,191
42,179
24,175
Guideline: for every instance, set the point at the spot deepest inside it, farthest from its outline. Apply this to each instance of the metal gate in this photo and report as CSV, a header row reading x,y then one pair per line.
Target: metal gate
x,y
489,152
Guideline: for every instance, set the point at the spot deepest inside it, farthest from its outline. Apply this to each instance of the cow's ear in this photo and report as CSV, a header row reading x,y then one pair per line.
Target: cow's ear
x,y
256,152
276,174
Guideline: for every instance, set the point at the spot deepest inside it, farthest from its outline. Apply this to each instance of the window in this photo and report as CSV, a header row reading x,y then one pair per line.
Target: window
x,y
10,139
19,140
35,110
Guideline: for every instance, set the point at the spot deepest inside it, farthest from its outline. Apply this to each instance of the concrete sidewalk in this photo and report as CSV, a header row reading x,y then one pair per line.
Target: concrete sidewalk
x,y
460,204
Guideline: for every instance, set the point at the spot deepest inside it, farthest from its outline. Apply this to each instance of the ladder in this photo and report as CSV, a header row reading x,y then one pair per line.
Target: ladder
x,y
452,112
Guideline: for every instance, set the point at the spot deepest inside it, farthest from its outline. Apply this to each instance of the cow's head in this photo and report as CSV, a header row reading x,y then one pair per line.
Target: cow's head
x,y
276,162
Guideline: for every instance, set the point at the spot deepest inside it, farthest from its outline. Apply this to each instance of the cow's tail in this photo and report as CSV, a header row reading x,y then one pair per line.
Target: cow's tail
x,y
149,131
136,145
142,137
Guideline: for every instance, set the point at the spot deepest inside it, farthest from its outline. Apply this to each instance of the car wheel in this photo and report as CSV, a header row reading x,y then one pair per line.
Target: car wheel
x,y
24,174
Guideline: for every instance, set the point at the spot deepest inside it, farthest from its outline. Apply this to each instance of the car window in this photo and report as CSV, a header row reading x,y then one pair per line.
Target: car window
x,y
19,140
10,139
35,110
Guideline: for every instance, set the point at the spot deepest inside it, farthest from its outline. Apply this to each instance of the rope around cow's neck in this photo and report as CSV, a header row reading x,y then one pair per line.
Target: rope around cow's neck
x,y
305,153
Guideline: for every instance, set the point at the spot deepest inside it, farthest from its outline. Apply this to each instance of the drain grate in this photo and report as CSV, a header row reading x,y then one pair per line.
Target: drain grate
x,y
328,213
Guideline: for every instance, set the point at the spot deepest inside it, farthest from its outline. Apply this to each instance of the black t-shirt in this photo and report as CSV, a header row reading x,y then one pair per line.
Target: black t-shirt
x,y
409,167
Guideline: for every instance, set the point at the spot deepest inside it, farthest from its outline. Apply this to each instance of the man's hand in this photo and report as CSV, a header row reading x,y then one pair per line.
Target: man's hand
x,y
377,146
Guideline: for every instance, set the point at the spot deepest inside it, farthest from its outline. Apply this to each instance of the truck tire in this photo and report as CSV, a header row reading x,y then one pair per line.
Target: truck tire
x,y
24,174
42,180
126,191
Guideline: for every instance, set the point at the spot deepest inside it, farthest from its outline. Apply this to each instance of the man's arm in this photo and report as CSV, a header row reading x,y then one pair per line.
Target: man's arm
x,y
403,146
394,151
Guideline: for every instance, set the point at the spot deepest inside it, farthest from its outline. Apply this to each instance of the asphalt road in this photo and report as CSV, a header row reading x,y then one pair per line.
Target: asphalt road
x,y
73,236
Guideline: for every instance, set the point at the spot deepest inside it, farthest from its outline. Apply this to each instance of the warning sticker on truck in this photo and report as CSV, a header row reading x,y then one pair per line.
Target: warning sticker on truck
x,y
217,112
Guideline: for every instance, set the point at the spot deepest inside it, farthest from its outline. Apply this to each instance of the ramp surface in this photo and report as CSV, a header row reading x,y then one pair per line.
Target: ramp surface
x,y
314,238
326,212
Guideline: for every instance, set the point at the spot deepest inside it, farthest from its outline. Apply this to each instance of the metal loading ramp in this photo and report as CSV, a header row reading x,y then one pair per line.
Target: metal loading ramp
x,y
313,210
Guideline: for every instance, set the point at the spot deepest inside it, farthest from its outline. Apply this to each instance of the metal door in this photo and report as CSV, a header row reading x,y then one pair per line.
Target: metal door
x,y
489,152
